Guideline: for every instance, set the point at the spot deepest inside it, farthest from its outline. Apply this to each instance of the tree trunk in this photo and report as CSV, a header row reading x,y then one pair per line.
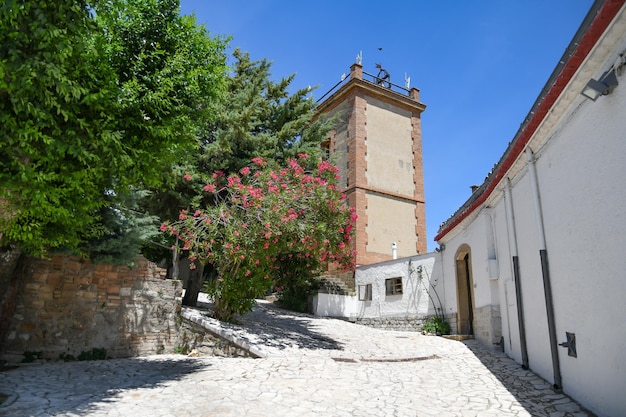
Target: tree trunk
x,y
194,285
13,267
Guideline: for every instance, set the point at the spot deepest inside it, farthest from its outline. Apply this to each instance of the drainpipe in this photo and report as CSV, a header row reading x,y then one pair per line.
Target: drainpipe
x,y
394,250
545,272
510,222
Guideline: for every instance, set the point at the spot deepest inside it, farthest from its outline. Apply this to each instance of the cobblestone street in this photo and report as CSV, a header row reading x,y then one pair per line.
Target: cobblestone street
x,y
311,367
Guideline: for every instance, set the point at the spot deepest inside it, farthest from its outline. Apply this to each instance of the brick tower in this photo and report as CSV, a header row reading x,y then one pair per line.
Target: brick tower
x,y
377,145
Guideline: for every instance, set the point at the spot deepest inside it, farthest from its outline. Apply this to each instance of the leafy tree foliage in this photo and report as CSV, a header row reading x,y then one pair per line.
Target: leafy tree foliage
x,y
259,117
271,225
96,98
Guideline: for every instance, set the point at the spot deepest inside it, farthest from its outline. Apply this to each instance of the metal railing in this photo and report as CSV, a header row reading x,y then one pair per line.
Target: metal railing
x,y
374,79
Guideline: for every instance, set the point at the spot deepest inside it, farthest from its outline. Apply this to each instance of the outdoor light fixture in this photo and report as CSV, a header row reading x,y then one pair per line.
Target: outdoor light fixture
x,y
603,87
607,83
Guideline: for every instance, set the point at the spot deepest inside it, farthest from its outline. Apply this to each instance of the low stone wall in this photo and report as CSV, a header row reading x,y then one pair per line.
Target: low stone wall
x,y
69,306
488,325
196,340
394,323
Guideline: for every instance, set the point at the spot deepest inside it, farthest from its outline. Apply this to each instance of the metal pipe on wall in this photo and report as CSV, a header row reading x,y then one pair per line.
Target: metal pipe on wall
x,y
510,222
545,271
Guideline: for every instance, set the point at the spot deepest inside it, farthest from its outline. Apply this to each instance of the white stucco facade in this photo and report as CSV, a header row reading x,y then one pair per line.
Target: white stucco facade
x,y
421,293
420,278
568,209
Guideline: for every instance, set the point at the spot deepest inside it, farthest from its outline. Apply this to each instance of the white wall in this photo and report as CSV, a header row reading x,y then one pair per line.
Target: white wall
x,y
582,178
480,236
414,300
333,305
581,175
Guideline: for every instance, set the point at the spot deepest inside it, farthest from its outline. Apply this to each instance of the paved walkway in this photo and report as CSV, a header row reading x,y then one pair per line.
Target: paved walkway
x,y
311,367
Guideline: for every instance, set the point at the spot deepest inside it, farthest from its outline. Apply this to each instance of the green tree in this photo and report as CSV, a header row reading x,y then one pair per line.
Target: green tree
x,y
96,98
261,118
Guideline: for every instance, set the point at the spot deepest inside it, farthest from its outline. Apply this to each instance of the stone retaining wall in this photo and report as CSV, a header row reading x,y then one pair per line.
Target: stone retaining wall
x,y
69,306
394,323
195,340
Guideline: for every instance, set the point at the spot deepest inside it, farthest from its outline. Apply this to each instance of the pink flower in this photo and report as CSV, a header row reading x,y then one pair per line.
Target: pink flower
x,y
245,171
248,272
187,177
258,161
210,188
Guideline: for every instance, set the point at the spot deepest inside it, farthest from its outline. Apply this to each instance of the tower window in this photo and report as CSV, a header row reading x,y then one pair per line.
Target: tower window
x,y
325,146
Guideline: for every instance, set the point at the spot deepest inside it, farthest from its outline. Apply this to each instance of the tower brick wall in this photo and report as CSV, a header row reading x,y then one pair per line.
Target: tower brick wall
x,y
377,145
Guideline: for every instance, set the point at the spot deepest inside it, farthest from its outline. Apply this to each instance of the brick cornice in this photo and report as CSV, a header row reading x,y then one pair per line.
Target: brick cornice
x,y
386,193
361,87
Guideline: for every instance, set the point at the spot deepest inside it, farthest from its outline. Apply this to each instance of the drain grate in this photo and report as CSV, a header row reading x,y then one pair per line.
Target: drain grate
x,y
387,360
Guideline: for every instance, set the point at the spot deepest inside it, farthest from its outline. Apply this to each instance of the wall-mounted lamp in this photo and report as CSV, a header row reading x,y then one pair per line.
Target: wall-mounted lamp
x,y
607,82
602,87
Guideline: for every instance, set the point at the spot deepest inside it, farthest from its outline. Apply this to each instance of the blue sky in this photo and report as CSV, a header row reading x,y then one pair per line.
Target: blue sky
x,y
479,65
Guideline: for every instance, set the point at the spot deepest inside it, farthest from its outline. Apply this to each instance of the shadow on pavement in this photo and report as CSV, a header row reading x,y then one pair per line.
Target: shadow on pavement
x,y
534,393
78,388
280,329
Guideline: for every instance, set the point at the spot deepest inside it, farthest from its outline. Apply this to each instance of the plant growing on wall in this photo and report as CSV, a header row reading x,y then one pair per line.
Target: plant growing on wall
x,y
438,323
267,225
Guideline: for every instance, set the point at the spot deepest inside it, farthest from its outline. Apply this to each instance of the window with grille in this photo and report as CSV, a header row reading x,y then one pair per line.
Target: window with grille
x,y
393,286
365,292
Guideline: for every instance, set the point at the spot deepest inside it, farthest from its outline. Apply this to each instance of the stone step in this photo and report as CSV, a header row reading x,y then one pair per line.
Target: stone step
x,y
458,337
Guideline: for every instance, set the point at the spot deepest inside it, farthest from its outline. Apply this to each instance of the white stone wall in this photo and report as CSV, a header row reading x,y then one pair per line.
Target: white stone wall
x,y
414,302
580,160
486,271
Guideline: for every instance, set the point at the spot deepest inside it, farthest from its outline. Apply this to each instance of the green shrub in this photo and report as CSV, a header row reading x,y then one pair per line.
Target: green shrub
x,y
436,325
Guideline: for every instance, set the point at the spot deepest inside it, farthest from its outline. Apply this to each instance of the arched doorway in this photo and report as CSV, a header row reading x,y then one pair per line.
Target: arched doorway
x,y
464,291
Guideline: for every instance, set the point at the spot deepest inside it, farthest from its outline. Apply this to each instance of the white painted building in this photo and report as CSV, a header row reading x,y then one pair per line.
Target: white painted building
x,y
397,294
537,254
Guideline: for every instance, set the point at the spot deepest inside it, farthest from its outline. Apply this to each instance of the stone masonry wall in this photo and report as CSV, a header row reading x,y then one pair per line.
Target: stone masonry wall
x,y
394,323
488,325
69,306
